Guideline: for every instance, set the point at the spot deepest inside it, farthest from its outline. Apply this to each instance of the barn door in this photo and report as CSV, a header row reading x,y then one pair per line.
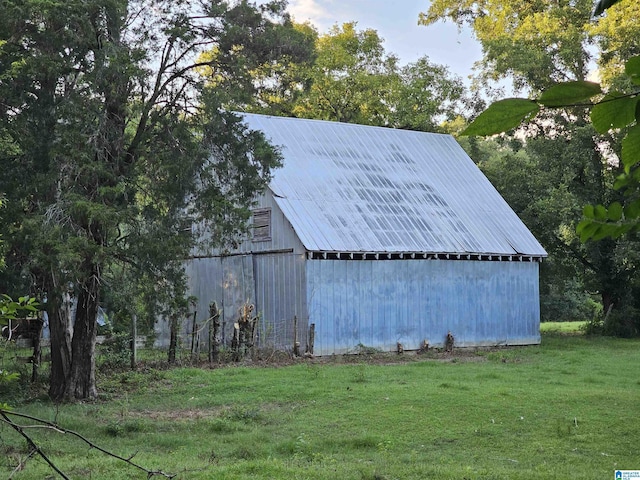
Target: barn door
x,y
238,288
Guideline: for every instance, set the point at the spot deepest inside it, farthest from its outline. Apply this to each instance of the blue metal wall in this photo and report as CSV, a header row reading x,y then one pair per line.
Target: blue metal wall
x,y
379,303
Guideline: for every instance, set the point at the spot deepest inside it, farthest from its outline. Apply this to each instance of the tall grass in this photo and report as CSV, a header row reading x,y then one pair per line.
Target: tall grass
x,y
565,409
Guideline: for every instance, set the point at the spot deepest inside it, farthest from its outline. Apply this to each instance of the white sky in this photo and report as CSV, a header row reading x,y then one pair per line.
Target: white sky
x,y
396,21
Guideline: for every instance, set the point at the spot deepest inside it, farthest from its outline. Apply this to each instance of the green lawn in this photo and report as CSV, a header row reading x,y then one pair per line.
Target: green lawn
x,y
563,327
566,409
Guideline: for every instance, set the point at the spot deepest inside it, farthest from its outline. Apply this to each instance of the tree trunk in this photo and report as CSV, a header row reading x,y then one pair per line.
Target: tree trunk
x,y
134,338
173,339
607,301
82,379
36,358
59,314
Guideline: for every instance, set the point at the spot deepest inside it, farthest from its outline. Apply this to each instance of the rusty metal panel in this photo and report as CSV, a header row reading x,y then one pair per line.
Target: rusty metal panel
x,y
379,303
355,188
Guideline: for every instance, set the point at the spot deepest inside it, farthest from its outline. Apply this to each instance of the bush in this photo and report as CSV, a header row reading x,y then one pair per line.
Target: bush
x,y
116,351
567,304
624,323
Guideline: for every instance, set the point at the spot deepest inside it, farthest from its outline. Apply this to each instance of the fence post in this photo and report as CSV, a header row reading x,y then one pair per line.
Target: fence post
x,y
296,343
312,339
134,335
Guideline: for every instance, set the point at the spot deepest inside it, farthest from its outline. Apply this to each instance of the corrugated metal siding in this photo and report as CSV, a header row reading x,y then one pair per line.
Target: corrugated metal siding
x,y
380,303
281,295
238,288
282,234
228,281
357,188
204,282
273,282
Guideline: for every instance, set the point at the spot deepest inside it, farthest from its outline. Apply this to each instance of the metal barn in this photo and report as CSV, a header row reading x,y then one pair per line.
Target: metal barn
x,y
376,236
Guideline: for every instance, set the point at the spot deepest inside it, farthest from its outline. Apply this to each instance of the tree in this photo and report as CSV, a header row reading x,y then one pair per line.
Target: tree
x,y
275,86
354,80
427,98
349,77
533,44
118,149
2,263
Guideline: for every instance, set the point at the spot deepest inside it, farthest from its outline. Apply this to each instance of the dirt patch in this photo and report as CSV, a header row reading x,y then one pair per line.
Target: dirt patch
x,y
178,415
369,356
373,357
390,358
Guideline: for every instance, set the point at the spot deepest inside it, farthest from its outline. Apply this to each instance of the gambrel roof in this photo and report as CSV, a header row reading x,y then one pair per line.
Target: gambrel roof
x,y
356,188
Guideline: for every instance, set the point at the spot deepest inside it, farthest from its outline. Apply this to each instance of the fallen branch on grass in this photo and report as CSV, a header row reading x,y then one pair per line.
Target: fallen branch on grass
x,y
35,449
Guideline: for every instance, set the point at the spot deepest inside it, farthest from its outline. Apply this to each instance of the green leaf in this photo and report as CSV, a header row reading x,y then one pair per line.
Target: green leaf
x,y
631,148
569,93
600,212
632,69
613,111
588,231
621,181
603,231
632,210
622,229
501,116
583,224
615,211
6,377
588,211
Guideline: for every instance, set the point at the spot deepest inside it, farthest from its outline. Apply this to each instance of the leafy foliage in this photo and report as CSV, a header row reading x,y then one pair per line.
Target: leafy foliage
x,y
501,116
611,111
113,148
11,310
349,77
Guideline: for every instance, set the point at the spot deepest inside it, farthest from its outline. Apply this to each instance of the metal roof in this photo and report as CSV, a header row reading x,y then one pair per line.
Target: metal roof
x,y
356,188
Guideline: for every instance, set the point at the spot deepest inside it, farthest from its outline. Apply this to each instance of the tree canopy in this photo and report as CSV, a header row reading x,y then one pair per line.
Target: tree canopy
x,y
112,148
349,77
536,44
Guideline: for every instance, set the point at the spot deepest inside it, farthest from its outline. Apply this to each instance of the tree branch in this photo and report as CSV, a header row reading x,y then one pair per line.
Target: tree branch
x,y
22,463
52,426
30,442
